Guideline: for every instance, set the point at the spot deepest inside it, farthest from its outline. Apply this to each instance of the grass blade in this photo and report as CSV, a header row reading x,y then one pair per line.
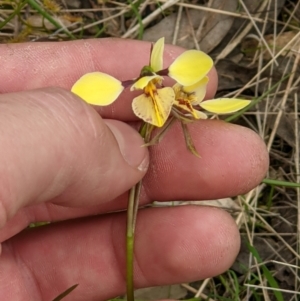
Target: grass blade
x,y
281,183
271,280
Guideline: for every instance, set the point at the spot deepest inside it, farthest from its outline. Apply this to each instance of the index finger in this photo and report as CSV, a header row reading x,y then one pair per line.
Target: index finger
x,y
29,66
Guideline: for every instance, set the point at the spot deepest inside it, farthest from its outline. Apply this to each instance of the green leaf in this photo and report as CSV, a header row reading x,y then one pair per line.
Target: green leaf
x,y
271,280
281,183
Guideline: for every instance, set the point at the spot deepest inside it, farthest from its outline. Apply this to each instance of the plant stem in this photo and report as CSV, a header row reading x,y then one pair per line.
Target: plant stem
x,y
132,210
130,245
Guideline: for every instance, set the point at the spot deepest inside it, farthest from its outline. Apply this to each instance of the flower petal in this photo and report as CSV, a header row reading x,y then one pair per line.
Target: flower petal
x,y
190,67
224,105
156,60
154,110
98,88
197,85
199,89
142,82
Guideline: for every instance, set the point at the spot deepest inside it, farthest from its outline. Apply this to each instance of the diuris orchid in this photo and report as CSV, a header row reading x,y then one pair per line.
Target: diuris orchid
x,y
155,104
98,88
189,97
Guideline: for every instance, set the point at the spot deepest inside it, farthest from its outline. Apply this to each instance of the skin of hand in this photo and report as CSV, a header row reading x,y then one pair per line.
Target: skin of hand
x,y
60,161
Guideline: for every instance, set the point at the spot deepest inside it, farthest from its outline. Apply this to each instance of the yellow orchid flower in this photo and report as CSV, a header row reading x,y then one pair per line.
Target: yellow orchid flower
x,y
186,98
189,97
155,104
98,88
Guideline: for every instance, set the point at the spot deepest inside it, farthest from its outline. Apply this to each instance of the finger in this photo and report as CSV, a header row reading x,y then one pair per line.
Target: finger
x,y
54,146
233,161
61,64
203,243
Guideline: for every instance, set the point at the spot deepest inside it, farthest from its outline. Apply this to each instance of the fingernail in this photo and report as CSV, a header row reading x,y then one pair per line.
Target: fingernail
x,y
130,144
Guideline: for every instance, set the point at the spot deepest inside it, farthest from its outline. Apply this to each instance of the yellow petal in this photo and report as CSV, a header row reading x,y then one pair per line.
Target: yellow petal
x,y
156,60
190,67
199,89
154,110
224,105
98,88
197,85
142,82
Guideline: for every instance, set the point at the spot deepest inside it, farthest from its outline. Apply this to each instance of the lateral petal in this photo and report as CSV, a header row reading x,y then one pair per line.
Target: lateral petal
x,y
224,105
98,88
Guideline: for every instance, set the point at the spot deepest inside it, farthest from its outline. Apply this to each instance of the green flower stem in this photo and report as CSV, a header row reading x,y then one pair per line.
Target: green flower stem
x,y
130,243
132,210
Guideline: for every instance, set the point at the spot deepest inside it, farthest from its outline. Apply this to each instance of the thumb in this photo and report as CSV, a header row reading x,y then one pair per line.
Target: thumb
x,y
55,147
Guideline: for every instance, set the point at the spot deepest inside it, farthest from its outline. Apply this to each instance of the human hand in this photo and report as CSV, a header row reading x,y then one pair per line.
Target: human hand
x,y
61,161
